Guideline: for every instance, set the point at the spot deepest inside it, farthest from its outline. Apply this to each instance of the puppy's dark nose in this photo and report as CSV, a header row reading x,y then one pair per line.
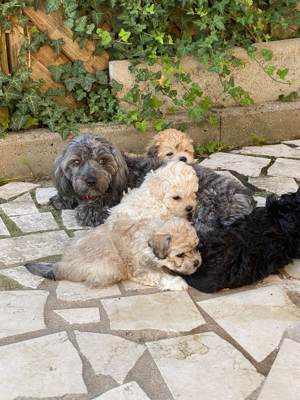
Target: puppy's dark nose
x,y
189,208
182,159
91,181
196,263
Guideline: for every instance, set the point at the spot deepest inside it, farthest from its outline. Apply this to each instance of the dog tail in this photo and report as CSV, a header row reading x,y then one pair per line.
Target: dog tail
x,y
44,270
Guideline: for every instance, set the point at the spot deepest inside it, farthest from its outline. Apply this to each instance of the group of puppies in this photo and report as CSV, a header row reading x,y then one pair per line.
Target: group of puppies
x,y
165,221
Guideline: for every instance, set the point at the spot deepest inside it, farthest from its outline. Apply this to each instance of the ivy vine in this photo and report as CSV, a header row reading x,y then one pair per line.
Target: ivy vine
x,y
153,32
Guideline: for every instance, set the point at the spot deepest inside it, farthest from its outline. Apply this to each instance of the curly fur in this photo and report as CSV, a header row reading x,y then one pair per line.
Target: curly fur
x,y
252,248
91,175
136,241
171,145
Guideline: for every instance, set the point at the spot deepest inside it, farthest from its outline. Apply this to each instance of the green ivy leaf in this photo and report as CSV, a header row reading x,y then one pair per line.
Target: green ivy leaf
x,y
22,20
52,5
213,120
282,73
124,35
195,113
158,125
270,69
4,78
70,7
10,94
154,102
32,99
133,115
142,125
101,77
31,121
251,51
88,81
97,16
267,54
17,84
78,68
6,25
70,83
36,4
51,123
116,87
18,121
80,24
57,44
56,72
218,21
69,22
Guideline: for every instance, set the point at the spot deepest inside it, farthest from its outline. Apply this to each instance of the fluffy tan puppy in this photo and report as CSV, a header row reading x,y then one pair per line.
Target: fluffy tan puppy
x,y
171,145
170,190
141,251
143,236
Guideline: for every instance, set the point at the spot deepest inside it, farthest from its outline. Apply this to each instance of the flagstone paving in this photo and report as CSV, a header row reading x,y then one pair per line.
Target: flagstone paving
x,y
61,340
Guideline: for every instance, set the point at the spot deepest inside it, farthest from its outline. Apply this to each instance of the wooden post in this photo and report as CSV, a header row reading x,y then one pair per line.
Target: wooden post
x,y
3,68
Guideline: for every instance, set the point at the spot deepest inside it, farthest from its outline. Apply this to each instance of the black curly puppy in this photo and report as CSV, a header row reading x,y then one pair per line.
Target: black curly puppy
x,y
252,248
91,175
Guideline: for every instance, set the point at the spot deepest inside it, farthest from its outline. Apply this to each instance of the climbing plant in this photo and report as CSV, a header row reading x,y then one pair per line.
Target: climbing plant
x,y
153,32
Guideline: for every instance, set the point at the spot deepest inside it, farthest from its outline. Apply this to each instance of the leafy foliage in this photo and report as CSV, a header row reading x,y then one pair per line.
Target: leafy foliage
x,y
160,32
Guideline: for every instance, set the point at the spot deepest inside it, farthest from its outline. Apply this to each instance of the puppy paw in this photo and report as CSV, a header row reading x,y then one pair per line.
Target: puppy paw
x,y
90,215
175,283
60,202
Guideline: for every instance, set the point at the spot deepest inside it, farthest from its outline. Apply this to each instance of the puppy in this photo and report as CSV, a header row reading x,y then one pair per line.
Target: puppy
x,y
91,175
252,248
106,254
171,145
142,251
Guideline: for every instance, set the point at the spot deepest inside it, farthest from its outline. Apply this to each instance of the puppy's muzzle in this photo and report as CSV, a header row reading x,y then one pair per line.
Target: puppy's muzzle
x,y
91,181
196,263
189,209
182,159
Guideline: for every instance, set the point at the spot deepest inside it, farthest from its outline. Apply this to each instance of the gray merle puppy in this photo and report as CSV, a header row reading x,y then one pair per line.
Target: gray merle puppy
x,y
91,175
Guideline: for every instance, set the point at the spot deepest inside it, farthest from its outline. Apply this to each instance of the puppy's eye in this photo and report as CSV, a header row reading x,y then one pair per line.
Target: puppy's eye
x,y
181,255
102,161
170,154
76,162
186,151
176,198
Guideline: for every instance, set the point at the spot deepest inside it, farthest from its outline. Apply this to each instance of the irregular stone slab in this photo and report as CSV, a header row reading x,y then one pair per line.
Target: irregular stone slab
x,y
130,286
69,221
129,391
26,248
205,367
23,205
293,269
245,165
80,315
76,291
295,142
285,168
35,222
171,311
109,354
3,230
261,201
47,366
23,276
256,319
293,332
283,380
229,175
275,184
13,189
21,312
275,150
270,280
43,195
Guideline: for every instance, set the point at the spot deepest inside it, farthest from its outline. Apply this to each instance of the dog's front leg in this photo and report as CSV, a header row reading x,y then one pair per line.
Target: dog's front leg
x,y
60,202
160,279
91,214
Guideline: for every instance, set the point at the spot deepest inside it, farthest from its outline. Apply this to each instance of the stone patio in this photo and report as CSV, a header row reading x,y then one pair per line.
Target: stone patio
x,y
61,340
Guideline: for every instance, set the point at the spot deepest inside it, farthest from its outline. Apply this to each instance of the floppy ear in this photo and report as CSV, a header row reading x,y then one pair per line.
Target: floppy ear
x,y
120,179
160,245
61,182
153,151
